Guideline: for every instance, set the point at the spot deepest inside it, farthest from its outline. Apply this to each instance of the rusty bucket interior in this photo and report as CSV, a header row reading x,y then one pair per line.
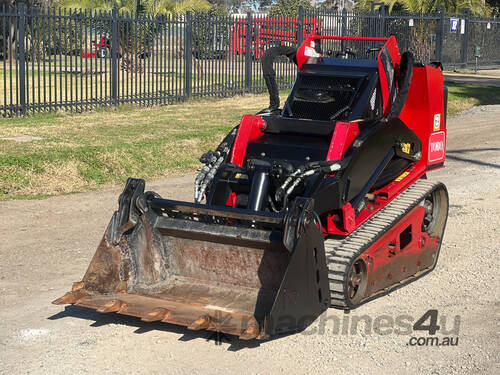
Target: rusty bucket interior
x,y
193,274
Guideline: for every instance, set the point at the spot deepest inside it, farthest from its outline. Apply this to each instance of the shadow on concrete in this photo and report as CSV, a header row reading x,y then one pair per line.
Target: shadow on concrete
x,y
452,154
186,335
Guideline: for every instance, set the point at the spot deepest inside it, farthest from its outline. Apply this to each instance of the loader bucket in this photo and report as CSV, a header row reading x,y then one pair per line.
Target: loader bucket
x,y
240,272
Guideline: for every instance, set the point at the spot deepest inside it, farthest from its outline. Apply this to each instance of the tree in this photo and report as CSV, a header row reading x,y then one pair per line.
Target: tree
x,y
171,7
210,32
106,5
241,6
134,42
495,6
330,5
477,7
10,35
289,8
151,7
421,42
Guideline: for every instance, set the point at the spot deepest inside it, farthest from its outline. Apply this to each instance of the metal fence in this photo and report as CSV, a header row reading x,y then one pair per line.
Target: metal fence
x,y
77,60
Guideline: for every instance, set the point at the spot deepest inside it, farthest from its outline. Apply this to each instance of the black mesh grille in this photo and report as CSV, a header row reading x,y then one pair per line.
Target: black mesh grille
x,y
323,98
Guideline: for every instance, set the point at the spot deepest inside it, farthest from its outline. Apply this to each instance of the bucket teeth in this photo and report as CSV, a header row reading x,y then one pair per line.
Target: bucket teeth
x,y
157,314
262,335
201,323
77,286
70,298
251,332
114,305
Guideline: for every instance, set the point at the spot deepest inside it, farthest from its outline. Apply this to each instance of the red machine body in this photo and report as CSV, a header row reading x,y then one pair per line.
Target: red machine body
x,y
408,248
423,112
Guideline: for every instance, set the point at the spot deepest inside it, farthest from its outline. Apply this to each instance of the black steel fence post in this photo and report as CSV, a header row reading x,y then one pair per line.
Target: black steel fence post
x,y
439,33
375,30
114,56
248,52
343,31
465,37
382,20
300,26
379,27
372,21
22,57
188,54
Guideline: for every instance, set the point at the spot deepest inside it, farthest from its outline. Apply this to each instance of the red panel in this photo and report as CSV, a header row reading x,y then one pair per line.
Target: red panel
x,y
393,49
392,45
384,250
349,218
405,179
231,200
424,108
344,134
305,51
250,128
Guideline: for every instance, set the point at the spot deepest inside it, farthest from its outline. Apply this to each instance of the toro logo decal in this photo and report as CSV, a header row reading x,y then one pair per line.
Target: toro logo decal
x,y
437,146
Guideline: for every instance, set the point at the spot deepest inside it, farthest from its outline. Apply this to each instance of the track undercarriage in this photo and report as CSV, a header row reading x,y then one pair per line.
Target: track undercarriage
x,y
398,245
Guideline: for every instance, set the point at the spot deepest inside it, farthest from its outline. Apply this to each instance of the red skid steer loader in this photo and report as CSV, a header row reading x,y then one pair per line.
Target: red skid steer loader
x,y
324,203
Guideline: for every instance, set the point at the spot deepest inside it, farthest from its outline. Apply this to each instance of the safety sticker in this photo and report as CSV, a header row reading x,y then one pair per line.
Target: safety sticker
x,y
437,121
401,176
311,52
405,147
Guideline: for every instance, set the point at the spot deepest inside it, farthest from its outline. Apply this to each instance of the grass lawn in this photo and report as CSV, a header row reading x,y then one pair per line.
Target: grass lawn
x,y
463,96
81,152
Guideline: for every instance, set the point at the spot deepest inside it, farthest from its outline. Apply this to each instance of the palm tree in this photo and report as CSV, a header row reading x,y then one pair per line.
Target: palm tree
x,y
164,7
106,5
477,7
421,38
151,7
135,41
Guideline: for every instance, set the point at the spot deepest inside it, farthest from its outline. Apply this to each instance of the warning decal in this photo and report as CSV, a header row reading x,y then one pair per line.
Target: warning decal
x,y
437,121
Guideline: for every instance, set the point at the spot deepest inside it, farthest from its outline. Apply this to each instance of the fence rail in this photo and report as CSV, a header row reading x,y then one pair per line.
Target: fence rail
x,y
77,60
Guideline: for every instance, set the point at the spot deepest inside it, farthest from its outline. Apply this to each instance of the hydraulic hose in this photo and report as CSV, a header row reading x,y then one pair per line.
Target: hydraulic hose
x,y
269,73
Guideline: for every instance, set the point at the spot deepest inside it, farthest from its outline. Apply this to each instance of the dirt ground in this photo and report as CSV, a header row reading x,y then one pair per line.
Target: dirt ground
x,y
485,77
472,79
45,245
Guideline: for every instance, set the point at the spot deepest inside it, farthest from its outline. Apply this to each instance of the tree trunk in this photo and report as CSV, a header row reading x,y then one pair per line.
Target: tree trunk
x,y
11,45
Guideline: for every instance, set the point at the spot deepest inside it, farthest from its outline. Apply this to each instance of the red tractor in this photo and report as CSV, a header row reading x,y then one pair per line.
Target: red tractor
x,y
100,48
